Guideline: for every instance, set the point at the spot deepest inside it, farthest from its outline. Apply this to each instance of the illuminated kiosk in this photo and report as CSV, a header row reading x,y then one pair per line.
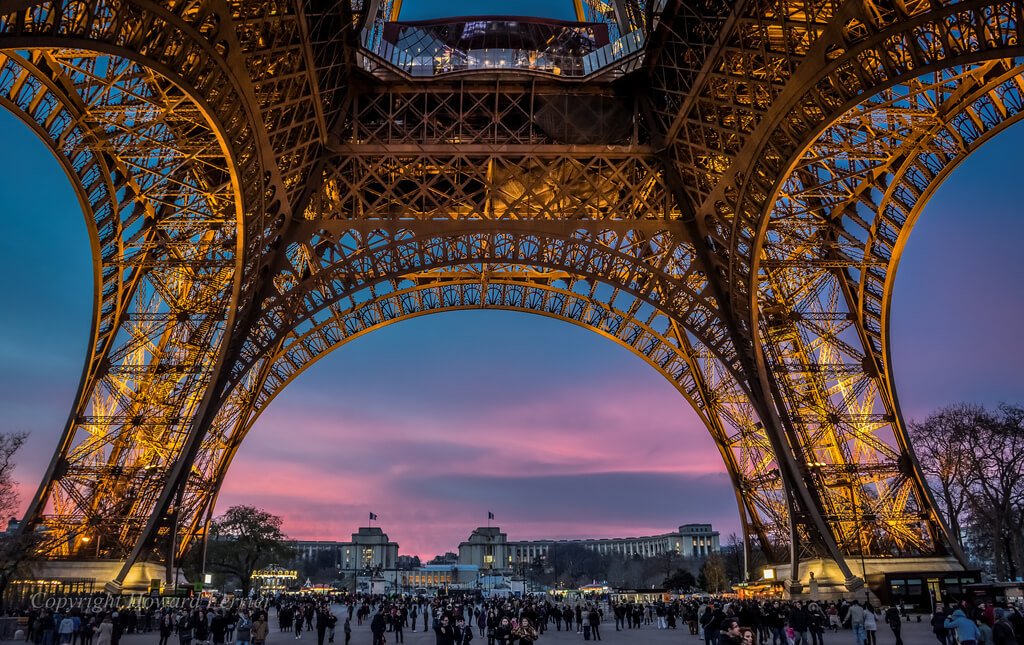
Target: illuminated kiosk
x,y
275,578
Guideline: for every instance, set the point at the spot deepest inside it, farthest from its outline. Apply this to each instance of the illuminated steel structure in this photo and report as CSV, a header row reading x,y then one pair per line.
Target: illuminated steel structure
x,y
724,188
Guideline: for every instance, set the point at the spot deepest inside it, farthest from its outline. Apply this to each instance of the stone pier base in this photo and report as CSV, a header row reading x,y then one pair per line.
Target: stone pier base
x,y
101,572
821,579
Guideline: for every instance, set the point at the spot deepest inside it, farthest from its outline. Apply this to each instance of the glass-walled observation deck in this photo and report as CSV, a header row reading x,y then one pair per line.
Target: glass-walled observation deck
x,y
610,38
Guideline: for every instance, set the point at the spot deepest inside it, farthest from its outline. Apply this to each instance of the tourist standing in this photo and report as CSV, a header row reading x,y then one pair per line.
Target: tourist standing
x,y
730,633
260,629
892,618
594,617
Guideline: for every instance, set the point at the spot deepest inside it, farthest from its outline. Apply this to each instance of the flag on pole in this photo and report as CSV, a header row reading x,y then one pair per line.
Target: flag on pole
x,y
490,515
373,516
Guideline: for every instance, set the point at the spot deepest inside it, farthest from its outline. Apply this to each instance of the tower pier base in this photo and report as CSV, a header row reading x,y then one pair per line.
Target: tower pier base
x,y
821,579
101,572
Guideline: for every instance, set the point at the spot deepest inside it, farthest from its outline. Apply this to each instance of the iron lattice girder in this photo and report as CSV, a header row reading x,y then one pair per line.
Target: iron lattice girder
x,y
157,258
866,179
313,195
337,260
764,90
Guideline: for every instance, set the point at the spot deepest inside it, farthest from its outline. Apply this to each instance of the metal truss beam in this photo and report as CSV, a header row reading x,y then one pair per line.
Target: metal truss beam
x,y
260,189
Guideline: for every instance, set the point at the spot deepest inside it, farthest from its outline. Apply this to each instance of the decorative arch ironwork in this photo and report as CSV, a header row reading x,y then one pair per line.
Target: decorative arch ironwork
x,y
159,196
648,332
828,262
251,160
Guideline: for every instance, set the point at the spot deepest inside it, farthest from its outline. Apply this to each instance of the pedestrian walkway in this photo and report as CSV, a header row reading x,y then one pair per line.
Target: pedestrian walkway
x,y
914,633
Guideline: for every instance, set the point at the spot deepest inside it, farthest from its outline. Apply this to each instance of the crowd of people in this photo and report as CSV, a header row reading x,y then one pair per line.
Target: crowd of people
x,y
522,621
200,626
460,620
806,623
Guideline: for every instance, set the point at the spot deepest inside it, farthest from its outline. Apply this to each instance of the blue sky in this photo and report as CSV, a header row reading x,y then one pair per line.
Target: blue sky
x,y
432,422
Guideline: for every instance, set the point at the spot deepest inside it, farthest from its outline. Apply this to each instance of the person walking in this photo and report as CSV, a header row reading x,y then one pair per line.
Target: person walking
x,y
481,622
243,629
378,625
730,634
870,625
200,626
986,632
966,630
526,633
463,632
800,621
892,619
855,616
396,621
321,625
88,631
348,629
939,624
817,623
713,628
166,626
332,623
1002,630
503,632
185,629
260,629
444,632
833,618
66,630
105,633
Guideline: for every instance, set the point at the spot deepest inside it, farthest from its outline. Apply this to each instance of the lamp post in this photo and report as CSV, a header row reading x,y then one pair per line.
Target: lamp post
x,y
858,516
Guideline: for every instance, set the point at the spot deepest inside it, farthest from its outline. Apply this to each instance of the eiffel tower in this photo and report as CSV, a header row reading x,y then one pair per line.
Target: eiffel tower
x,y
724,188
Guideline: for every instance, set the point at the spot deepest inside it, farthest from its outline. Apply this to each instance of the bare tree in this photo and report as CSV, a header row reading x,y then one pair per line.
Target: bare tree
x,y
944,446
14,549
712,575
732,554
10,442
997,486
973,460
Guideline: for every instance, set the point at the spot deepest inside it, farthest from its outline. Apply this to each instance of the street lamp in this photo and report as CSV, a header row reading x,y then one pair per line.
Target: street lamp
x,y
858,516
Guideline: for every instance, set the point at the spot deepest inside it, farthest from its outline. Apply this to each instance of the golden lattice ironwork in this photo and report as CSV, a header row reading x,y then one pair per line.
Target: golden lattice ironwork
x,y
723,188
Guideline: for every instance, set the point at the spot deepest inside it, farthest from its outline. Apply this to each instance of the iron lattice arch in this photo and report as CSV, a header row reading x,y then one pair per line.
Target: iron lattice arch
x,y
723,188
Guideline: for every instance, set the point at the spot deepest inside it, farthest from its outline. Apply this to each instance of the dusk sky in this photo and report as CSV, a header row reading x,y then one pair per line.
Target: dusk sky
x,y
561,433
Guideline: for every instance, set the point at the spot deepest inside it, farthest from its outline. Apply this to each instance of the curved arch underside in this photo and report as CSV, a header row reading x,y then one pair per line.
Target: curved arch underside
x,y
649,333
829,257
160,207
259,191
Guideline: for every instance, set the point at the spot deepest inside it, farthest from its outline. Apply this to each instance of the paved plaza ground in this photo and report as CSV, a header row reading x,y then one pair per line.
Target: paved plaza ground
x,y
914,633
